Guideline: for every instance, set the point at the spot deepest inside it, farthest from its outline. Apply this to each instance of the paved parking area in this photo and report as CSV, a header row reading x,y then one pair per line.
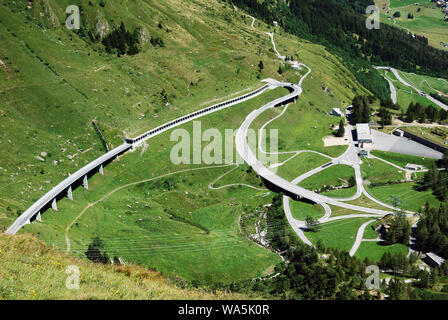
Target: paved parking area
x,y
387,142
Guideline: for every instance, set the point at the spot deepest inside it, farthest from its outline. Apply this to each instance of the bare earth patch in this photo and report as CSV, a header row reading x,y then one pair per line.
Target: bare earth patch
x,y
3,65
330,141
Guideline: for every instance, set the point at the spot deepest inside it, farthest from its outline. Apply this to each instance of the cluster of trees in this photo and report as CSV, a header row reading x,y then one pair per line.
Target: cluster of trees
x,y
121,41
399,264
280,237
396,263
157,42
304,275
280,69
390,105
341,130
436,180
361,109
327,273
385,116
422,114
432,231
399,231
335,28
312,224
96,252
260,69
427,279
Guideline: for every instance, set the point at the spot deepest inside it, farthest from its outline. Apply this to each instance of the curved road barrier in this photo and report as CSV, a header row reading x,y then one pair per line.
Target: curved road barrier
x,y
288,187
177,122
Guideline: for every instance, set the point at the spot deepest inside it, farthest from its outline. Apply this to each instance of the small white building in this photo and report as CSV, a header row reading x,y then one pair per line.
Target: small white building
x,y
337,112
364,133
414,167
275,23
399,133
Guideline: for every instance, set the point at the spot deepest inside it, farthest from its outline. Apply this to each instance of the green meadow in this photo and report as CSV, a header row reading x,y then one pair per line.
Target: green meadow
x,y
402,160
164,216
409,198
428,19
336,175
301,210
338,234
374,250
377,171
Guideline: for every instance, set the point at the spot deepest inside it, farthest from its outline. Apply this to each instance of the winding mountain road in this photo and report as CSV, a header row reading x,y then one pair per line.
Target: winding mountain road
x,y
64,188
359,236
349,157
249,157
398,76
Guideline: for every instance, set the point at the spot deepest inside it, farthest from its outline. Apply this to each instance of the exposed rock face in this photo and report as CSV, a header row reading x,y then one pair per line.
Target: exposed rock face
x,y
102,27
6,68
143,37
49,15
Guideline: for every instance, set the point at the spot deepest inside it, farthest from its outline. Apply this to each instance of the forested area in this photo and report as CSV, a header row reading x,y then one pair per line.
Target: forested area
x,y
436,180
326,273
432,231
385,117
304,275
341,27
417,111
121,41
399,231
361,109
432,228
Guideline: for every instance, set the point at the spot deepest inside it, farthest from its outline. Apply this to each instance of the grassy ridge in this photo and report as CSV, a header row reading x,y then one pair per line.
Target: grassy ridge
x,y
402,160
31,270
333,176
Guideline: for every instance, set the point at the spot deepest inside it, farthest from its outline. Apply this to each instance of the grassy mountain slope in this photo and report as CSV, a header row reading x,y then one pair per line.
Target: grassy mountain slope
x,y
30,270
54,82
